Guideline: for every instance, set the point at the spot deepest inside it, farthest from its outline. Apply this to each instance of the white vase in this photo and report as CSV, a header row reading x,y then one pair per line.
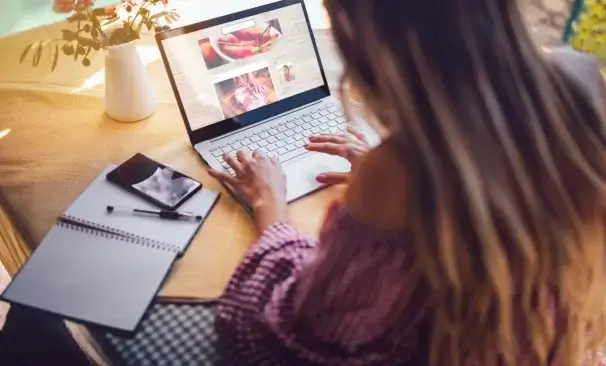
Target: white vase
x,y
129,95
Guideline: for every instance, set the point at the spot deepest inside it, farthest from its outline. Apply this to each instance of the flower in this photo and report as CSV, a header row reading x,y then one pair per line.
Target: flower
x,y
66,6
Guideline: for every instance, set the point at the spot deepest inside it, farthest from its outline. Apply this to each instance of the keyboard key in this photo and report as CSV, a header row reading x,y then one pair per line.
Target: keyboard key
x,y
332,116
293,154
315,130
272,154
273,132
262,143
324,126
299,143
271,147
323,120
324,113
299,137
332,123
315,115
307,119
254,146
213,149
282,128
246,142
280,143
298,129
290,125
291,147
280,136
281,151
289,132
315,122
227,149
236,145
217,153
341,120
289,140
255,138
342,127
271,139
263,135
263,150
307,126
334,129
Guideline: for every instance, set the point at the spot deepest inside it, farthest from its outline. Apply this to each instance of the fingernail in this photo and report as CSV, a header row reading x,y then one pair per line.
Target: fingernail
x,y
321,178
312,138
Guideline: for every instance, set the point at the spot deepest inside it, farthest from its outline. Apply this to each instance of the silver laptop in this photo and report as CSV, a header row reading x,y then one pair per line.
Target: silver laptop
x,y
253,80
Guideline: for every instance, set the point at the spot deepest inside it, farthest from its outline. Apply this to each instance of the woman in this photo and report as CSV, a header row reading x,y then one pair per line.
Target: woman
x,y
472,235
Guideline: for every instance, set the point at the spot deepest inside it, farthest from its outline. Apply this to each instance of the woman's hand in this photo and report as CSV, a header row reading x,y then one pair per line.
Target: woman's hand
x,y
352,146
261,182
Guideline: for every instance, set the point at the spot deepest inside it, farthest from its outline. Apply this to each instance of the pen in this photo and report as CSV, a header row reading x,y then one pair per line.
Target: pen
x,y
163,214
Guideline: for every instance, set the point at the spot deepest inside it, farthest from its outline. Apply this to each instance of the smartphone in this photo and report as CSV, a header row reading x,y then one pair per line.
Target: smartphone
x,y
155,182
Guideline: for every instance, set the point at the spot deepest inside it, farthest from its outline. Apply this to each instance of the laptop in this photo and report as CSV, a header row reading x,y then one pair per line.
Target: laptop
x,y
253,80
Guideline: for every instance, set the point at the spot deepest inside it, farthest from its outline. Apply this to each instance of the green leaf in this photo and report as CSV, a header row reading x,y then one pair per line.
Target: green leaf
x,y
25,52
38,55
69,35
55,58
160,15
143,12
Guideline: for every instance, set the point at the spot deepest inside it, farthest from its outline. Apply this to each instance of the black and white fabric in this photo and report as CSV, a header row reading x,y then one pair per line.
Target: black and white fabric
x,y
170,334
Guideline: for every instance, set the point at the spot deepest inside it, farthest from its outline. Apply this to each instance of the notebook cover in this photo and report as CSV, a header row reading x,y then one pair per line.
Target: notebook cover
x,y
91,205
90,277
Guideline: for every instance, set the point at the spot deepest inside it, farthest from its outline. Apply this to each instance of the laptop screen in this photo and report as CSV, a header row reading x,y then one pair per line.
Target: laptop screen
x,y
233,68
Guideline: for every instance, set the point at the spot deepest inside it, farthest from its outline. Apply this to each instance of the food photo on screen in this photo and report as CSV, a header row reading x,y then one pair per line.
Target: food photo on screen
x,y
246,92
240,44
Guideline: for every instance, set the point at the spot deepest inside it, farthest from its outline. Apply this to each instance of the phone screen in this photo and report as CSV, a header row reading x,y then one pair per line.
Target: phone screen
x,y
155,180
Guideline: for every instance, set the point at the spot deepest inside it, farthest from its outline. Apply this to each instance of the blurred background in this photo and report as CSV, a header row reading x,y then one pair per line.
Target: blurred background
x,y
546,18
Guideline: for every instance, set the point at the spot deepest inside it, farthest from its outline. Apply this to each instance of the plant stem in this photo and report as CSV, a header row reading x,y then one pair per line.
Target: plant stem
x,y
142,6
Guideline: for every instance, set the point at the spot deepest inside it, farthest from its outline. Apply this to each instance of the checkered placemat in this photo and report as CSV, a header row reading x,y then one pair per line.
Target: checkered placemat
x,y
170,334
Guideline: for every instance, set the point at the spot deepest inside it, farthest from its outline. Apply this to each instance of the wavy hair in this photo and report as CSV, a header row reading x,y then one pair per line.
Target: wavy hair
x,y
508,172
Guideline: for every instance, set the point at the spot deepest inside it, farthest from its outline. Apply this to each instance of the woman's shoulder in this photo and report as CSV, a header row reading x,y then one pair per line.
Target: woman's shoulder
x,y
580,67
378,194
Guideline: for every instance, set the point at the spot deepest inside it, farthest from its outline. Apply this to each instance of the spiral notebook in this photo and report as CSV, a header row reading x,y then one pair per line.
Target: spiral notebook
x,y
103,269
90,209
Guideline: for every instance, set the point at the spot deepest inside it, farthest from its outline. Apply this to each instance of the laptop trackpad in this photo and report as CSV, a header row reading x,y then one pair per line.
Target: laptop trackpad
x,y
301,174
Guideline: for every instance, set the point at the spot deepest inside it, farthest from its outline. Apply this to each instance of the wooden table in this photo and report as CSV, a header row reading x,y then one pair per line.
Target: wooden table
x,y
59,139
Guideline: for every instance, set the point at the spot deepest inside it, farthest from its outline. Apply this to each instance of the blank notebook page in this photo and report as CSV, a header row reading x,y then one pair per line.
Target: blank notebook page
x,y
91,278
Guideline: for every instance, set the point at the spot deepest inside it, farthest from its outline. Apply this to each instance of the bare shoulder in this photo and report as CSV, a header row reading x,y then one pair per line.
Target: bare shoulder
x,y
378,190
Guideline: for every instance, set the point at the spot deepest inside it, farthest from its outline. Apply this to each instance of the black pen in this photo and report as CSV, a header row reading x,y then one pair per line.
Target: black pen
x,y
163,214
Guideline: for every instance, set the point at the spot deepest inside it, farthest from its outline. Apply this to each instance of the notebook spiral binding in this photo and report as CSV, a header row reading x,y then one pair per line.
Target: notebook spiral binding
x,y
93,228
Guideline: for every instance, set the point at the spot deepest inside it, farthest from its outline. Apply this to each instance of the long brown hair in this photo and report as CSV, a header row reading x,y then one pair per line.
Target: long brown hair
x,y
507,171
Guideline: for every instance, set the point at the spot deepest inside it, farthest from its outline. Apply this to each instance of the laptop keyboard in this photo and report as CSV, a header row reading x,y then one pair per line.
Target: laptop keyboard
x,y
285,139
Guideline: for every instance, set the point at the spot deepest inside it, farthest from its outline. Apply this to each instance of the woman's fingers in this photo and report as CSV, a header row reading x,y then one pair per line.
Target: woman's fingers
x,y
233,163
330,148
357,134
332,178
224,177
337,139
